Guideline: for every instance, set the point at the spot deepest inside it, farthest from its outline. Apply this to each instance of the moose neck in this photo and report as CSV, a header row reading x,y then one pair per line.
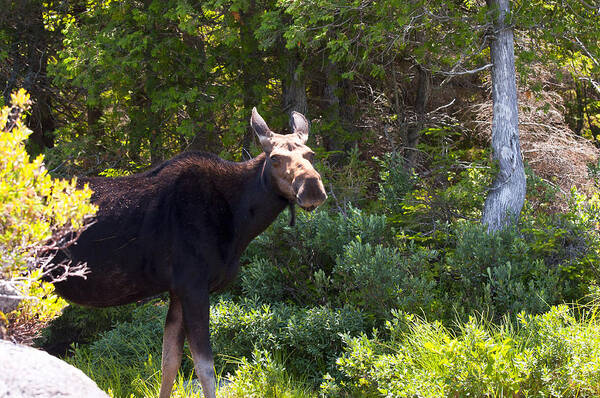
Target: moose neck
x,y
258,202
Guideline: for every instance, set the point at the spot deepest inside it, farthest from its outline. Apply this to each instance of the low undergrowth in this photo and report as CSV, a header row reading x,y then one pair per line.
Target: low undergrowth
x,y
261,353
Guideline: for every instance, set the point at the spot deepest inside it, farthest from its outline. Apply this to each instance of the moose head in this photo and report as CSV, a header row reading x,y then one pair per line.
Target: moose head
x,y
290,161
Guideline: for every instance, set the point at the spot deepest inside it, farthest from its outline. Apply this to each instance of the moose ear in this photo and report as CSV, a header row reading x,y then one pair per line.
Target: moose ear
x,y
262,130
299,126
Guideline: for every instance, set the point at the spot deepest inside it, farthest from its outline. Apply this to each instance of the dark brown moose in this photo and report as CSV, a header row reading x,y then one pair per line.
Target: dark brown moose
x,y
181,227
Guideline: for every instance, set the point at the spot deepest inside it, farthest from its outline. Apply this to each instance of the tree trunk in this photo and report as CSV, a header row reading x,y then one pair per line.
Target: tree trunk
x,y
332,140
95,129
40,120
252,64
507,194
294,87
413,133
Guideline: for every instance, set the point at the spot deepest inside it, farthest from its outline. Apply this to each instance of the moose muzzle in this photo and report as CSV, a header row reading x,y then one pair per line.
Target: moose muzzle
x,y
310,191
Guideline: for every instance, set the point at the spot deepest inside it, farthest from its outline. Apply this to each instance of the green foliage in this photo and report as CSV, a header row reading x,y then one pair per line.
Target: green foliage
x,y
545,355
126,358
35,208
263,376
423,209
122,55
42,305
38,215
349,181
80,325
378,279
309,339
131,351
395,183
498,274
547,259
359,35
280,270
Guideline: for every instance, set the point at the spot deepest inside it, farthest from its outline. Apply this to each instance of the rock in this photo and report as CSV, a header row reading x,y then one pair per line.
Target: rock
x,y
26,372
9,298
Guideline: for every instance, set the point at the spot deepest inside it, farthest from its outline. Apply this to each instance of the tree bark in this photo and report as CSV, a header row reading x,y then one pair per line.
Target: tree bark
x,y
413,134
95,129
294,86
332,104
507,194
251,65
29,56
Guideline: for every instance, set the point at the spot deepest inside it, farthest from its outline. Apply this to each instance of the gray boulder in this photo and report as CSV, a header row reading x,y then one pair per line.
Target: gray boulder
x,y
9,298
29,373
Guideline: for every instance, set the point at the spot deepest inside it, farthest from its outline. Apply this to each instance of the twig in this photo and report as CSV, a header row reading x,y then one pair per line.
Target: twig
x,y
467,72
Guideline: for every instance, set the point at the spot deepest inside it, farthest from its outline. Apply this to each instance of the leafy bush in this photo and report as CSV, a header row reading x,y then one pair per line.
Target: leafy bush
x,y
38,213
309,339
81,325
262,376
347,177
545,355
130,351
289,263
423,208
126,358
497,274
547,259
378,279
395,183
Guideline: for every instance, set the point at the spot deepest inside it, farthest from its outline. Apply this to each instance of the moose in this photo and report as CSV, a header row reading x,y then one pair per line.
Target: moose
x,y
181,228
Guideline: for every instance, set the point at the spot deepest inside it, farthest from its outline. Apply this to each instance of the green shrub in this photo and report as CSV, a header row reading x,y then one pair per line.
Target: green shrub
x,y
262,376
422,208
569,241
127,358
550,355
38,214
288,263
378,279
395,183
347,177
308,338
497,274
260,278
81,325
130,351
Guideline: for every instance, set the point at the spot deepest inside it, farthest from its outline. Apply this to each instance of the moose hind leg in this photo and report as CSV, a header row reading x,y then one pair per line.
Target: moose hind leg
x,y
196,311
172,349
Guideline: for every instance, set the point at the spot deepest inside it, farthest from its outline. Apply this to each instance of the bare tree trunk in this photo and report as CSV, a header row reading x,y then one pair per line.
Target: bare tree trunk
x,y
414,132
507,194
94,113
41,121
250,73
294,87
332,107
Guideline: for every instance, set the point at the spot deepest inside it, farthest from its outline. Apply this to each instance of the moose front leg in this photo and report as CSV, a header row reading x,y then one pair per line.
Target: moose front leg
x,y
196,310
172,349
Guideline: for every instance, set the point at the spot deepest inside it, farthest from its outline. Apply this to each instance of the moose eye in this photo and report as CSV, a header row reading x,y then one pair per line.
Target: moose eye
x,y
310,156
275,159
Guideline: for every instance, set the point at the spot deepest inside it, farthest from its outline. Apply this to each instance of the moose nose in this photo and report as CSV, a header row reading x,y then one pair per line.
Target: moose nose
x,y
310,193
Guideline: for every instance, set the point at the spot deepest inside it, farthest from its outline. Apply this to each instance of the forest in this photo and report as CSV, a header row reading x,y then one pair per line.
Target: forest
x,y
445,261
